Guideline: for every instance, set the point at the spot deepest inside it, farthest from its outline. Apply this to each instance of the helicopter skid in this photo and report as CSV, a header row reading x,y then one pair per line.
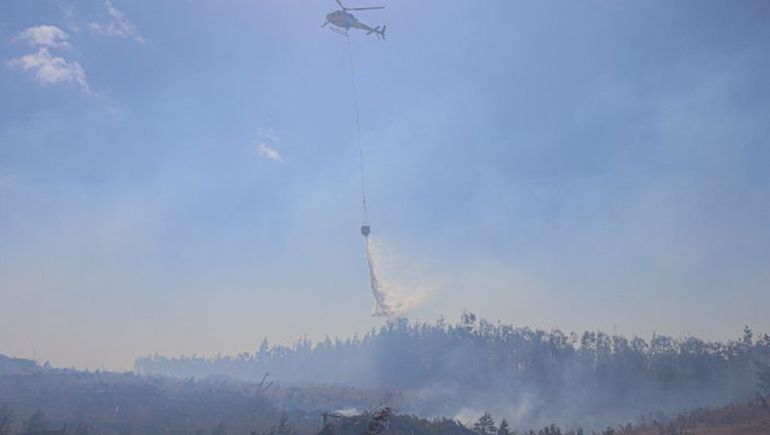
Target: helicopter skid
x,y
339,31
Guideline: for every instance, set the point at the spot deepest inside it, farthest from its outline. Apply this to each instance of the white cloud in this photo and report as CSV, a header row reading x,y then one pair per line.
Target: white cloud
x,y
267,134
43,36
68,11
48,69
266,146
268,152
119,26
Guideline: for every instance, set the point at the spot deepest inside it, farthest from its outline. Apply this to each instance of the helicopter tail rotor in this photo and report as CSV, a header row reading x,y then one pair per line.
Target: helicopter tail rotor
x,y
379,31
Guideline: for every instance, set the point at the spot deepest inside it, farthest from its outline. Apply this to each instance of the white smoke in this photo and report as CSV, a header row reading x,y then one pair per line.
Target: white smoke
x,y
390,298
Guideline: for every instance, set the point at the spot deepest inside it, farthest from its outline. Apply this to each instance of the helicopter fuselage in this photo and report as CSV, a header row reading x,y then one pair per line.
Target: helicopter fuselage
x,y
346,20
342,19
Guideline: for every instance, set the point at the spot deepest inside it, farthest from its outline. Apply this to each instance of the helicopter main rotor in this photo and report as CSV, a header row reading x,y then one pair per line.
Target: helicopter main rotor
x,y
344,8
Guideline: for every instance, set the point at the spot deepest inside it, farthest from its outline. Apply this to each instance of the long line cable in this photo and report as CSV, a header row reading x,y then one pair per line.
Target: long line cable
x,y
382,308
358,130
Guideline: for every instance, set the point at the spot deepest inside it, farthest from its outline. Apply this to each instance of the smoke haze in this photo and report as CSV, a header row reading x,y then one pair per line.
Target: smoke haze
x,y
531,377
180,179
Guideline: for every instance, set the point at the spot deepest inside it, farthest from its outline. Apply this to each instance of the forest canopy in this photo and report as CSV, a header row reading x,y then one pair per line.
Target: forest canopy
x,y
447,369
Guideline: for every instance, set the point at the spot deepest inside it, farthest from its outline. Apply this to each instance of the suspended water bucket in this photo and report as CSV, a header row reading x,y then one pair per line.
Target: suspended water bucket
x,y
365,229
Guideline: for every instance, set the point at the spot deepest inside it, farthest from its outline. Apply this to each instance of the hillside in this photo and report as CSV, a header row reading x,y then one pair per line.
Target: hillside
x,y
745,419
530,376
122,403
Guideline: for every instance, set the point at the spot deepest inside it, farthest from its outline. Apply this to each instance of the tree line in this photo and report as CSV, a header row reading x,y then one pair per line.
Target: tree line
x,y
440,368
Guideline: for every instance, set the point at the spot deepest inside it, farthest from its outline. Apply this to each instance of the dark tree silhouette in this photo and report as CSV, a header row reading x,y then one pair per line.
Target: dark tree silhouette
x,y
504,428
478,363
36,423
6,420
485,425
762,363
219,429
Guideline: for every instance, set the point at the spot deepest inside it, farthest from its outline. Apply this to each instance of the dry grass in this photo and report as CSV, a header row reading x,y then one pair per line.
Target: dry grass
x,y
753,418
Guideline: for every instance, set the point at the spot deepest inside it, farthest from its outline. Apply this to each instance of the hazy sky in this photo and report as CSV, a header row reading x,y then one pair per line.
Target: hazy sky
x,y
182,176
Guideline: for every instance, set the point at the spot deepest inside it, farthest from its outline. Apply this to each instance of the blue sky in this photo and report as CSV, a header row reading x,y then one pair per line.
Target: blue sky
x,y
182,176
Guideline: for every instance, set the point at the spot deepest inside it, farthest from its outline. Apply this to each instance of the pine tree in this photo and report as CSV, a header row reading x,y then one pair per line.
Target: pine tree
x,y
762,363
485,425
36,423
6,419
504,429
763,376
219,429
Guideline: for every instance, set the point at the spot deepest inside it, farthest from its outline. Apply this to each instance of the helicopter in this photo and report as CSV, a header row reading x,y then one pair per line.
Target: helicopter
x,y
345,20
